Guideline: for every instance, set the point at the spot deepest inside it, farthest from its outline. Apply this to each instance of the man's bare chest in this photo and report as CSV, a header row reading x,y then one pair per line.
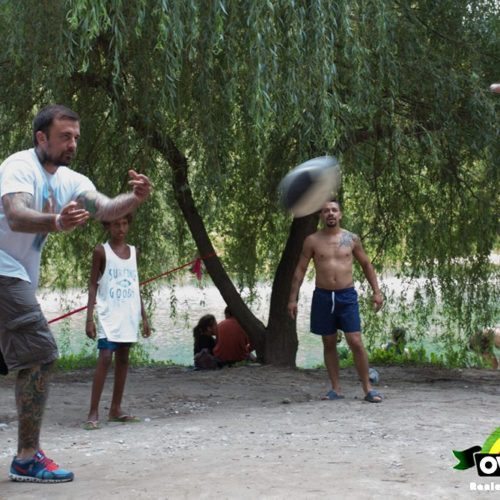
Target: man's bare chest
x,y
338,247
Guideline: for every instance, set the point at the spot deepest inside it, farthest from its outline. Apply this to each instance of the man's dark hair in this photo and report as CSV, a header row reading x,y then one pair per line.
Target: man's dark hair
x,y
330,200
46,116
335,200
227,312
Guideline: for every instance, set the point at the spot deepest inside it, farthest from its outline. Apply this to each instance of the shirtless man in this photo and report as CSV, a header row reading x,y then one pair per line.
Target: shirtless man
x,y
335,301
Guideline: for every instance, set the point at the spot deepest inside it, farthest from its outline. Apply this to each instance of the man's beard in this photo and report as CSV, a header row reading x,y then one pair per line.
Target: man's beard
x,y
45,157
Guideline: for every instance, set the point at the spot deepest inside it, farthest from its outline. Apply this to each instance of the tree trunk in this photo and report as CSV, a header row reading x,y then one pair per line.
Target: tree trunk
x,y
250,323
277,344
281,340
180,184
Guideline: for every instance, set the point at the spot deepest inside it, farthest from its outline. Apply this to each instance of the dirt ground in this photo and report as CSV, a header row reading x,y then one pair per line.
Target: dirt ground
x,y
258,432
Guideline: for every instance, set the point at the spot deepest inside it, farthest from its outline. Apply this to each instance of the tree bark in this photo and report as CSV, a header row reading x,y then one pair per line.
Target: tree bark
x,y
281,340
278,343
250,323
183,195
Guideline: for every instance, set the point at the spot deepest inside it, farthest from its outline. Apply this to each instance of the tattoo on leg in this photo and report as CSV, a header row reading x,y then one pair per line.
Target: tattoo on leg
x,y
32,387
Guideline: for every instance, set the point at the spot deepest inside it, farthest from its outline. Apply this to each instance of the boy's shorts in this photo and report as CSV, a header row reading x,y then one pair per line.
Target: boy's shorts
x,y
333,310
105,344
25,336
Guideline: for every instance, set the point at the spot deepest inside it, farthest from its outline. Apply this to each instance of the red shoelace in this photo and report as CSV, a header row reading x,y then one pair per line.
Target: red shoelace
x,y
48,463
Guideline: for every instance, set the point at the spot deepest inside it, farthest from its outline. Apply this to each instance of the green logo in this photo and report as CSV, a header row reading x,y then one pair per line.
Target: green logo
x,y
485,458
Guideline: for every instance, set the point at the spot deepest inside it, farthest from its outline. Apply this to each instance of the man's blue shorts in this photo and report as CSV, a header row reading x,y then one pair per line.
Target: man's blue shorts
x,y
335,310
110,345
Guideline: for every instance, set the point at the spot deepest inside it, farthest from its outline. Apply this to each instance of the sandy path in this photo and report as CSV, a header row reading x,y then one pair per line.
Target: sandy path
x,y
262,432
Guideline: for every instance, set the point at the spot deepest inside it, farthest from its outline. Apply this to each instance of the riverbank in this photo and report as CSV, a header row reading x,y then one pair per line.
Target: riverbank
x,y
261,432
172,338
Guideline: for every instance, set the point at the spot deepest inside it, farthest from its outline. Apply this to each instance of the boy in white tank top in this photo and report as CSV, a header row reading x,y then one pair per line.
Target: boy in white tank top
x,y
114,292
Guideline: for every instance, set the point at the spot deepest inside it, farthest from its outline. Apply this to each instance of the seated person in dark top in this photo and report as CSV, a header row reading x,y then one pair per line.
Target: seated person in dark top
x,y
204,343
232,344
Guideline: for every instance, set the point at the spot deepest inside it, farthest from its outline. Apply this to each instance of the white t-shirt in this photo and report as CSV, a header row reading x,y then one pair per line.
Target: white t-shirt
x,y
22,173
118,302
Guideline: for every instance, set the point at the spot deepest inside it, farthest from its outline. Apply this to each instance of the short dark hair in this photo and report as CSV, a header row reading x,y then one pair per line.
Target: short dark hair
x,y
129,217
45,117
335,200
330,200
228,312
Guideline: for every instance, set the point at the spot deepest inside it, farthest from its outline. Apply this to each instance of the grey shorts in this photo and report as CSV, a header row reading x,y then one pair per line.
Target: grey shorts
x,y
25,336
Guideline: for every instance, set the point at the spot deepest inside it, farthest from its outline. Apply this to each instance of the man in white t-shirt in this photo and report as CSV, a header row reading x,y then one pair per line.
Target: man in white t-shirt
x,y
39,195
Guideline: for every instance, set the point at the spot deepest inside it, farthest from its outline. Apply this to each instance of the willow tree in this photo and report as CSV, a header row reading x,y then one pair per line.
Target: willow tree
x,y
216,100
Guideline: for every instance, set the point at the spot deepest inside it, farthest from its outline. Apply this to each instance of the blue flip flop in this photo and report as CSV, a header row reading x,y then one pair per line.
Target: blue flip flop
x,y
331,395
372,395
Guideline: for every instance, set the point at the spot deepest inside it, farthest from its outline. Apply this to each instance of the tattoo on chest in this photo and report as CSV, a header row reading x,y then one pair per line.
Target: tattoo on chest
x,y
346,239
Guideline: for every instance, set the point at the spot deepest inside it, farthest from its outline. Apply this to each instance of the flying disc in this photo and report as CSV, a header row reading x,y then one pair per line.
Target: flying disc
x,y
308,186
495,87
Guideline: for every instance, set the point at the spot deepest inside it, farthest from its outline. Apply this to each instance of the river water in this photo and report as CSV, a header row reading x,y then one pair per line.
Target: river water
x,y
177,310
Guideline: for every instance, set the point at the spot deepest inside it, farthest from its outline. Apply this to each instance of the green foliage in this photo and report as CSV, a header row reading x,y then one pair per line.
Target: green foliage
x,y
419,356
246,90
73,357
139,356
78,361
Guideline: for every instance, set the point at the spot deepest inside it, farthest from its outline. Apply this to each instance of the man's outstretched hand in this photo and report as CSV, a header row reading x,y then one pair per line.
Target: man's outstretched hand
x,y
141,185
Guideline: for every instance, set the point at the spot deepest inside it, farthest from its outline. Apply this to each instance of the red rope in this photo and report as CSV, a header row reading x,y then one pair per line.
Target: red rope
x,y
68,314
141,284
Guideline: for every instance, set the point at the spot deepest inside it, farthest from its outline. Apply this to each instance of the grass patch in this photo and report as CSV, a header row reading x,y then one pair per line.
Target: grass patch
x,y
414,357
86,356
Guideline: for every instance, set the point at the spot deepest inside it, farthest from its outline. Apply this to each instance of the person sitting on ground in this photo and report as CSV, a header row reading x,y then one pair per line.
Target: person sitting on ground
x,y
486,342
204,343
232,344
397,344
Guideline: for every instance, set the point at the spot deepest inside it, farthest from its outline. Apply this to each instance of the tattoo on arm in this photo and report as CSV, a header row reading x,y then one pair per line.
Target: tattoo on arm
x,y
107,209
20,201
22,217
88,200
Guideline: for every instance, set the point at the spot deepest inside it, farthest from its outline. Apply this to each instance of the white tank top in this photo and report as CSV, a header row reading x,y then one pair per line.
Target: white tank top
x,y
118,302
